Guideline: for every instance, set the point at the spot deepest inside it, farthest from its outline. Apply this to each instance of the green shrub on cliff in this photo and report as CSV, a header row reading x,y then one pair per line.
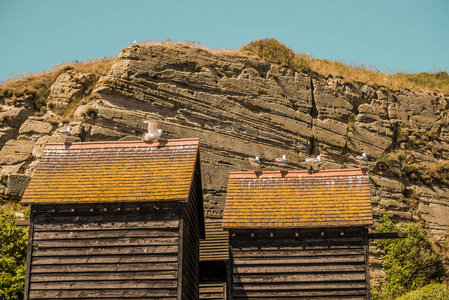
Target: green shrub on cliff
x,y
436,291
409,263
274,51
13,249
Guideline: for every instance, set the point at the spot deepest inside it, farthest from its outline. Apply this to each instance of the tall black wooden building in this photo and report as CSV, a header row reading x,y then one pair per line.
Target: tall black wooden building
x,y
298,235
115,220
214,260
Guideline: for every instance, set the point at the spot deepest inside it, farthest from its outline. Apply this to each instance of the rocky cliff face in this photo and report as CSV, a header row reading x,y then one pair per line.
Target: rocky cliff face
x,y
241,107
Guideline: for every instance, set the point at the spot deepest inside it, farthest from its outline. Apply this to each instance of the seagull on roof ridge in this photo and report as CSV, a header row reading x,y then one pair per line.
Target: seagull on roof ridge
x,y
361,158
153,131
64,133
255,162
313,161
281,161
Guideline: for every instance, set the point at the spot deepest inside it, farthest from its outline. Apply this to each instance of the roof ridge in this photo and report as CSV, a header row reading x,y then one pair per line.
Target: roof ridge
x,y
297,173
123,144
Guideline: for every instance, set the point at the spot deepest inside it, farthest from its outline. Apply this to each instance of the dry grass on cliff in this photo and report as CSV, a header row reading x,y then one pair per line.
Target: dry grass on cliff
x,y
38,84
276,52
415,82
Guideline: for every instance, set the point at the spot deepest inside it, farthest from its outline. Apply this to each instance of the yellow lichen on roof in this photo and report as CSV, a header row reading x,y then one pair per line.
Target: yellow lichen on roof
x,y
114,172
300,199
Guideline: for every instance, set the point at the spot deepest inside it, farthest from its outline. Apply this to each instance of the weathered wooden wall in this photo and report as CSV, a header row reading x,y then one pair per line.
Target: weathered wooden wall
x,y
192,230
216,245
99,251
213,291
214,256
298,265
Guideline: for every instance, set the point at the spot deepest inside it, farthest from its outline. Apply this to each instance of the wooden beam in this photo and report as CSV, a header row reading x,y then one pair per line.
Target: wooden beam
x,y
387,235
26,293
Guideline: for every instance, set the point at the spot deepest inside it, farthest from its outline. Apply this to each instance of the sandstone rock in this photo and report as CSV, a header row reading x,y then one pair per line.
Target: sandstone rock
x,y
11,118
331,166
98,133
418,110
14,116
68,86
391,185
394,204
31,167
16,151
434,207
6,134
87,111
17,184
34,127
369,141
41,142
12,169
331,103
131,138
79,130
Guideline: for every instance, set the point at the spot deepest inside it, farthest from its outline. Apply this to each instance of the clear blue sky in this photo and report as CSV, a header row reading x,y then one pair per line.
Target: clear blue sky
x,y
401,35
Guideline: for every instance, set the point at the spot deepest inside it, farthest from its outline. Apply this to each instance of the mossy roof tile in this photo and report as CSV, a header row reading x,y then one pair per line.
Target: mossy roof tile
x,y
114,172
298,199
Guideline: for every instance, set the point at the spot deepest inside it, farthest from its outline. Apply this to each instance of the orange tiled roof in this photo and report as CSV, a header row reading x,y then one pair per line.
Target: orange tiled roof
x,y
298,199
114,172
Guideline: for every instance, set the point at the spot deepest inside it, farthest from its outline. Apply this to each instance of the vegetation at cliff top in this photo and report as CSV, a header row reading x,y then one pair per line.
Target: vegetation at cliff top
x,y
276,52
38,84
409,263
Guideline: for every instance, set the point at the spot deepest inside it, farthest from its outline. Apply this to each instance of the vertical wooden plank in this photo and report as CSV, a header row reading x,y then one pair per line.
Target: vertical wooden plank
x,y
26,291
229,275
368,287
180,250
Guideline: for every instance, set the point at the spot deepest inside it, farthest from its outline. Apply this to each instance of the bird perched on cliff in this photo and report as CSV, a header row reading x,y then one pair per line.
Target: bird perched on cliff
x,y
281,161
313,161
64,133
153,131
361,159
135,42
255,162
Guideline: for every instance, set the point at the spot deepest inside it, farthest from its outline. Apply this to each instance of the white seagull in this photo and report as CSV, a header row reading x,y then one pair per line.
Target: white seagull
x,y
255,162
312,161
135,42
153,131
361,158
281,161
64,133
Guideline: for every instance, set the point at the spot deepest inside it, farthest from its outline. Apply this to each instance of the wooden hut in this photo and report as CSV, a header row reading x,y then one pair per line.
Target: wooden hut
x,y
214,259
298,234
115,220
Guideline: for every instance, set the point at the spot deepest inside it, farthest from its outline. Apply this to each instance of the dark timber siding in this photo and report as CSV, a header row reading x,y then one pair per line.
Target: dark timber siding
x,y
214,256
104,251
289,265
190,238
